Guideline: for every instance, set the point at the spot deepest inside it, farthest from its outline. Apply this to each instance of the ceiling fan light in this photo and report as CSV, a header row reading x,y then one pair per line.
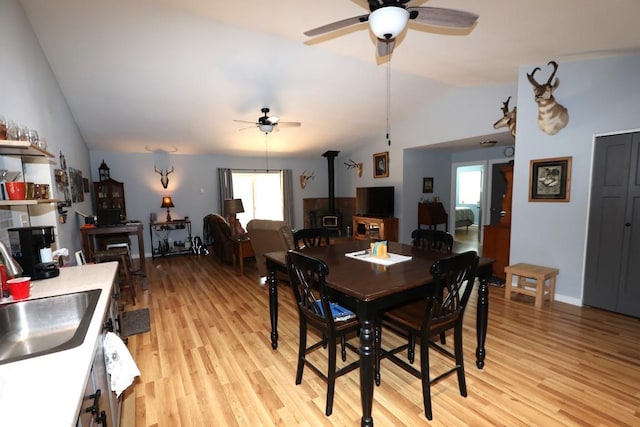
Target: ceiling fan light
x,y
388,22
265,127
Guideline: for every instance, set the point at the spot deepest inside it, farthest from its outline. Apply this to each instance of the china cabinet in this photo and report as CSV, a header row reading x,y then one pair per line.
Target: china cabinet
x,y
109,194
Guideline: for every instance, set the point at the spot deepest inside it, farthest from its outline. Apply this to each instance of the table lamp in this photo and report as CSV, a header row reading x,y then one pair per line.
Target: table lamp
x,y
231,208
167,203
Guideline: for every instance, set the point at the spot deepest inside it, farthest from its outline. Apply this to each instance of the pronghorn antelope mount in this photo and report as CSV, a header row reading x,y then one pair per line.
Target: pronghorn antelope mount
x,y
164,175
551,115
304,178
357,166
508,118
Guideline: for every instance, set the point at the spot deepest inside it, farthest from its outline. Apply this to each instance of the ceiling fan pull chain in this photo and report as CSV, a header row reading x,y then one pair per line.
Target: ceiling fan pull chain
x,y
388,100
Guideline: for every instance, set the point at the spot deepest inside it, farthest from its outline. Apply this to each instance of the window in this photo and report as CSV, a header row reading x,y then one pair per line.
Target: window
x,y
261,194
469,187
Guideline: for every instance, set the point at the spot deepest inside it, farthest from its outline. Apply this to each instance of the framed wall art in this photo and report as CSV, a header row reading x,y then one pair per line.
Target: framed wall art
x,y
427,185
381,165
550,180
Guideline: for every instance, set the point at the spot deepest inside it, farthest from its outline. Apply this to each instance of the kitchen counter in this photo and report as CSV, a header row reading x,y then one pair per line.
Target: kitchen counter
x,y
47,390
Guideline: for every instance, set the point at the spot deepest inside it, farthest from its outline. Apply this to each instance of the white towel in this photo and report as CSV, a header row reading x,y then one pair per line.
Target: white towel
x,y
120,364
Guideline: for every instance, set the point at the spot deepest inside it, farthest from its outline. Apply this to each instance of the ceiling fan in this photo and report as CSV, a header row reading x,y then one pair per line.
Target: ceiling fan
x,y
388,18
266,124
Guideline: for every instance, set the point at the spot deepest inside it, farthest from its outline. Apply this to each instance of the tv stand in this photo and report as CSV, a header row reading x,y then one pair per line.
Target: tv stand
x,y
365,228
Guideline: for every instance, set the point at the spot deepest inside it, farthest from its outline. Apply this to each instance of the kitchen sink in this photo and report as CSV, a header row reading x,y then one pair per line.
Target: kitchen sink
x,y
45,325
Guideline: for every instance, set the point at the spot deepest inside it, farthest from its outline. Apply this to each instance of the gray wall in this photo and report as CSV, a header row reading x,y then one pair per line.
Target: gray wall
x,y
29,94
193,185
602,97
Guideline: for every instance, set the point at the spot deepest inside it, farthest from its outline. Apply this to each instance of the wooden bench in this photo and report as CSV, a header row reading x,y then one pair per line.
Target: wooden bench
x,y
533,280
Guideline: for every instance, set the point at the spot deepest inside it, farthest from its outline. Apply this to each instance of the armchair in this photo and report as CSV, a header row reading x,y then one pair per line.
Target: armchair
x,y
268,236
217,233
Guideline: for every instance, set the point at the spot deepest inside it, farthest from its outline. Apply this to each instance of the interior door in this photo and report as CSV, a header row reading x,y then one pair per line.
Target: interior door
x,y
612,276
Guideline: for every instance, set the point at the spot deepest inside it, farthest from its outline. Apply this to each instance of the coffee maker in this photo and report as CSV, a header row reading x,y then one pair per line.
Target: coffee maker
x,y
31,247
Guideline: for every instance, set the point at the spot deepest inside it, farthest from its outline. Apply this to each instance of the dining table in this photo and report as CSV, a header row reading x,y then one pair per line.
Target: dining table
x,y
369,288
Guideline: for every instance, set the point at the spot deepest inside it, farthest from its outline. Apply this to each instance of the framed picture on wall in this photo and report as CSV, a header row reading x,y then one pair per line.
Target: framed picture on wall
x,y
381,165
427,185
550,180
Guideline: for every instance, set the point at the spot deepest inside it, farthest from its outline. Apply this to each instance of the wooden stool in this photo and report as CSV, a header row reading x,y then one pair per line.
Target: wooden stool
x,y
532,281
124,268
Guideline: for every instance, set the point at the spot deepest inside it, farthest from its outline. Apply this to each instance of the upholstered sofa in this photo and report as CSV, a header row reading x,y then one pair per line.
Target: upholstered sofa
x,y
216,234
268,236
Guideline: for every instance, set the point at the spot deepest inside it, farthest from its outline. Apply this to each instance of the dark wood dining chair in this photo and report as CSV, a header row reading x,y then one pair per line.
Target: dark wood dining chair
x,y
453,279
435,240
311,237
307,276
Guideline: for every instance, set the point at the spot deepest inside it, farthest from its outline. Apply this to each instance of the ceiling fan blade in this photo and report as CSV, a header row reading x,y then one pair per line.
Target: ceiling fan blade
x,y
385,47
273,120
440,17
289,124
338,25
245,121
248,127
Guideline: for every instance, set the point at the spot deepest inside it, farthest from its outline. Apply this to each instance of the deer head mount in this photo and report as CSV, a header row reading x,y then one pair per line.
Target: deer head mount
x,y
552,116
508,118
164,175
353,165
304,178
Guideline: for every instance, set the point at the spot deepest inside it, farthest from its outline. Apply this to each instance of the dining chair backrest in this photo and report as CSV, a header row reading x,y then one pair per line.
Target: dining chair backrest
x,y
307,276
453,279
311,237
435,240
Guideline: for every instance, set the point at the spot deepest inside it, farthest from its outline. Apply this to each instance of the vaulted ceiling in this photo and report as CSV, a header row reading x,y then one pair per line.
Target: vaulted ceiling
x,y
174,74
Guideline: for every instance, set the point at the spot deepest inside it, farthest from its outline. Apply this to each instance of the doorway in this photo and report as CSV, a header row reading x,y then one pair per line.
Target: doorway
x,y
465,222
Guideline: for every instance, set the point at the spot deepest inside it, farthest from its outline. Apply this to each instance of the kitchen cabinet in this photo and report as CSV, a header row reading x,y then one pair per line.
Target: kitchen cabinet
x,y
63,374
100,406
109,194
375,228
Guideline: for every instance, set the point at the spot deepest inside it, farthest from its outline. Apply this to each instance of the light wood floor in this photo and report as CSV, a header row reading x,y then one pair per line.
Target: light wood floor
x,y
208,362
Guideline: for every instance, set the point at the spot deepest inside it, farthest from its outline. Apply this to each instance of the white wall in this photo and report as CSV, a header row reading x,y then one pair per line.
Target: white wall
x,y
29,94
601,96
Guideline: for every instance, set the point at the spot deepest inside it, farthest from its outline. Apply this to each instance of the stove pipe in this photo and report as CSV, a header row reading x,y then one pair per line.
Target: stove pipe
x,y
331,155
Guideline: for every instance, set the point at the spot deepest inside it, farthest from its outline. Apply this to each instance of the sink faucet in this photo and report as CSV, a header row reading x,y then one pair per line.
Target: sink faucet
x,y
13,268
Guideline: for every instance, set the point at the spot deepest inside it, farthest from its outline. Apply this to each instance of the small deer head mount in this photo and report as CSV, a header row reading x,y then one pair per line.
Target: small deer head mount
x,y
552,116
164,175
357,166
304,178
508,118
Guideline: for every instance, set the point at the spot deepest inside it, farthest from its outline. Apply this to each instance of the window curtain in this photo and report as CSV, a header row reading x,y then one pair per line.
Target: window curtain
x,y
287,189
225,188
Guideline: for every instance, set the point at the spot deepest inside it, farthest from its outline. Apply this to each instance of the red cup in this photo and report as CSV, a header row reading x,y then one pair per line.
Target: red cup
x,y
20,287
16,190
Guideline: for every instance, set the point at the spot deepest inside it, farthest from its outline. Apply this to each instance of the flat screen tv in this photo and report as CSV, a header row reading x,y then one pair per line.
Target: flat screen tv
x,y
375,201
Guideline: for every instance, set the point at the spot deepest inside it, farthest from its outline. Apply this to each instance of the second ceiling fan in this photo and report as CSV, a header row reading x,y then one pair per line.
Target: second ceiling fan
x,y
267,124
388,18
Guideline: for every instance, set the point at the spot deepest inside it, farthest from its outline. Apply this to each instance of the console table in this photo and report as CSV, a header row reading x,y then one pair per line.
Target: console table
x,y
164,248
